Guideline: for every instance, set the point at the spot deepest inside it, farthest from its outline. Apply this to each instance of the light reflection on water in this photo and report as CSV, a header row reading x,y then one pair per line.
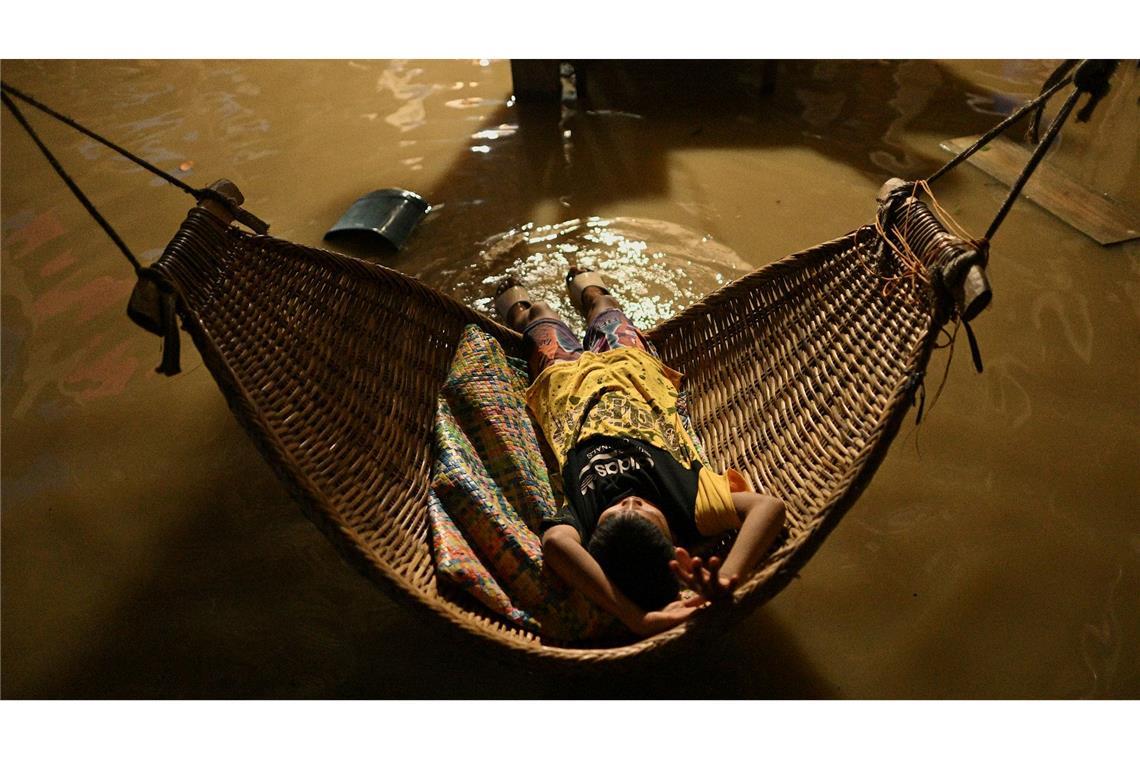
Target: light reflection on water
x,y
655,268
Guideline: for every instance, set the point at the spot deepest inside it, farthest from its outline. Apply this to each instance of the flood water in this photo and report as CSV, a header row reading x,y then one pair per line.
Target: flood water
x,y
148,551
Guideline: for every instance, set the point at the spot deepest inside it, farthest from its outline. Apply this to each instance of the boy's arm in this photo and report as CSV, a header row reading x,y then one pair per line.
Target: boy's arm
x,y
763,517
562,549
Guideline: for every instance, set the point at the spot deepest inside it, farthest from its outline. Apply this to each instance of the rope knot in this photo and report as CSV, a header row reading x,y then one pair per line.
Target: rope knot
x,y
153,307
1092,77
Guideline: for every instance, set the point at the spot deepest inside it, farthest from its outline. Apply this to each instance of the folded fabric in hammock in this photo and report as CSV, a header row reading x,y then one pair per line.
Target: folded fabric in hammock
x,y
489,492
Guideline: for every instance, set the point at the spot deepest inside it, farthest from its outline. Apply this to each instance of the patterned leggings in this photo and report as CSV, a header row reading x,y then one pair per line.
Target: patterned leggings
x,y
550,340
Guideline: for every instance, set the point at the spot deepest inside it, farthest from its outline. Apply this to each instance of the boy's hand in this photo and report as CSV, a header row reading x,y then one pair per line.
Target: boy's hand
x,y
663,619
704,579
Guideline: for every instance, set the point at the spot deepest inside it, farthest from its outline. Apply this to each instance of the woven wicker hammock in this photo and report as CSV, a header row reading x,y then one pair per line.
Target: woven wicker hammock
x,y
799,375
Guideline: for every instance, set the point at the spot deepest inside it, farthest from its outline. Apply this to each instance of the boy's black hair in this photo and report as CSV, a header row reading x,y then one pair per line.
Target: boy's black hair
x,y
635,554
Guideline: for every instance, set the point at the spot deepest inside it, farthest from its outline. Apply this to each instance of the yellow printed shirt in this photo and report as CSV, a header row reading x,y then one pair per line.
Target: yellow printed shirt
x,y
627,395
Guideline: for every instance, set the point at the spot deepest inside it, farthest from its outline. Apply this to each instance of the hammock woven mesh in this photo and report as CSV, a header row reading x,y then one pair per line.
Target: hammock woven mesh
x,y
799,375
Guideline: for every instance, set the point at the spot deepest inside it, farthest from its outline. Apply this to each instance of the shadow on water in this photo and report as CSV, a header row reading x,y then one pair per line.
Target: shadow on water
x,y
616,142
254,603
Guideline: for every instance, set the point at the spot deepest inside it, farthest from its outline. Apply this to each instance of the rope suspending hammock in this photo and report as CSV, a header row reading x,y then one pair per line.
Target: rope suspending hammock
x,y
799,373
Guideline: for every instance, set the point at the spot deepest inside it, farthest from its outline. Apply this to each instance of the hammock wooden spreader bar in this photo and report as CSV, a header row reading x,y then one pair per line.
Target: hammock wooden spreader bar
x,y
799,374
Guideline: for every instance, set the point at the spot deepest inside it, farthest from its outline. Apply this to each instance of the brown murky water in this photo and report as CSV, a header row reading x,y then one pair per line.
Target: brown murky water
x,y
148,551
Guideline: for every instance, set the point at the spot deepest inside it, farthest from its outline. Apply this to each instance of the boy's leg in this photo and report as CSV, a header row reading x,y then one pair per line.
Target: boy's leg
x,y
548,338
609,327
596,302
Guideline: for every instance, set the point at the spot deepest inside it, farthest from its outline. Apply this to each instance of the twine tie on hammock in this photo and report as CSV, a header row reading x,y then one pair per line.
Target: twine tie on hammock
x,y
952,265
956,264
956,267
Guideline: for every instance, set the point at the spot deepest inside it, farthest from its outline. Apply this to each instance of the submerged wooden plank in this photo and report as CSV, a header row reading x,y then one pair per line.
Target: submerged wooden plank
x,y
1094,214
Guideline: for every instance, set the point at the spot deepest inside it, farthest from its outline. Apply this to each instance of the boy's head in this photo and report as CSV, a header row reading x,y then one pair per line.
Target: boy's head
x,y
631,543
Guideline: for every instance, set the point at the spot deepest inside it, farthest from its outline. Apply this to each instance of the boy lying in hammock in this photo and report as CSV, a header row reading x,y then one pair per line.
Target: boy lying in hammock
x,y
637,496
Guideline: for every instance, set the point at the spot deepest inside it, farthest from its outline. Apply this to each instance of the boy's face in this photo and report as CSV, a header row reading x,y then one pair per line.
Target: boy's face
x,y
641,508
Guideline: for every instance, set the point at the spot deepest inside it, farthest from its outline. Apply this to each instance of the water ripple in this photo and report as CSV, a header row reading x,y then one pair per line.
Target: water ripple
x,y
655,268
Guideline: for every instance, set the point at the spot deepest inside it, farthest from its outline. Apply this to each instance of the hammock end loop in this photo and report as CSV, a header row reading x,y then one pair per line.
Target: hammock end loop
x,y
957,266
893,191
154,300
